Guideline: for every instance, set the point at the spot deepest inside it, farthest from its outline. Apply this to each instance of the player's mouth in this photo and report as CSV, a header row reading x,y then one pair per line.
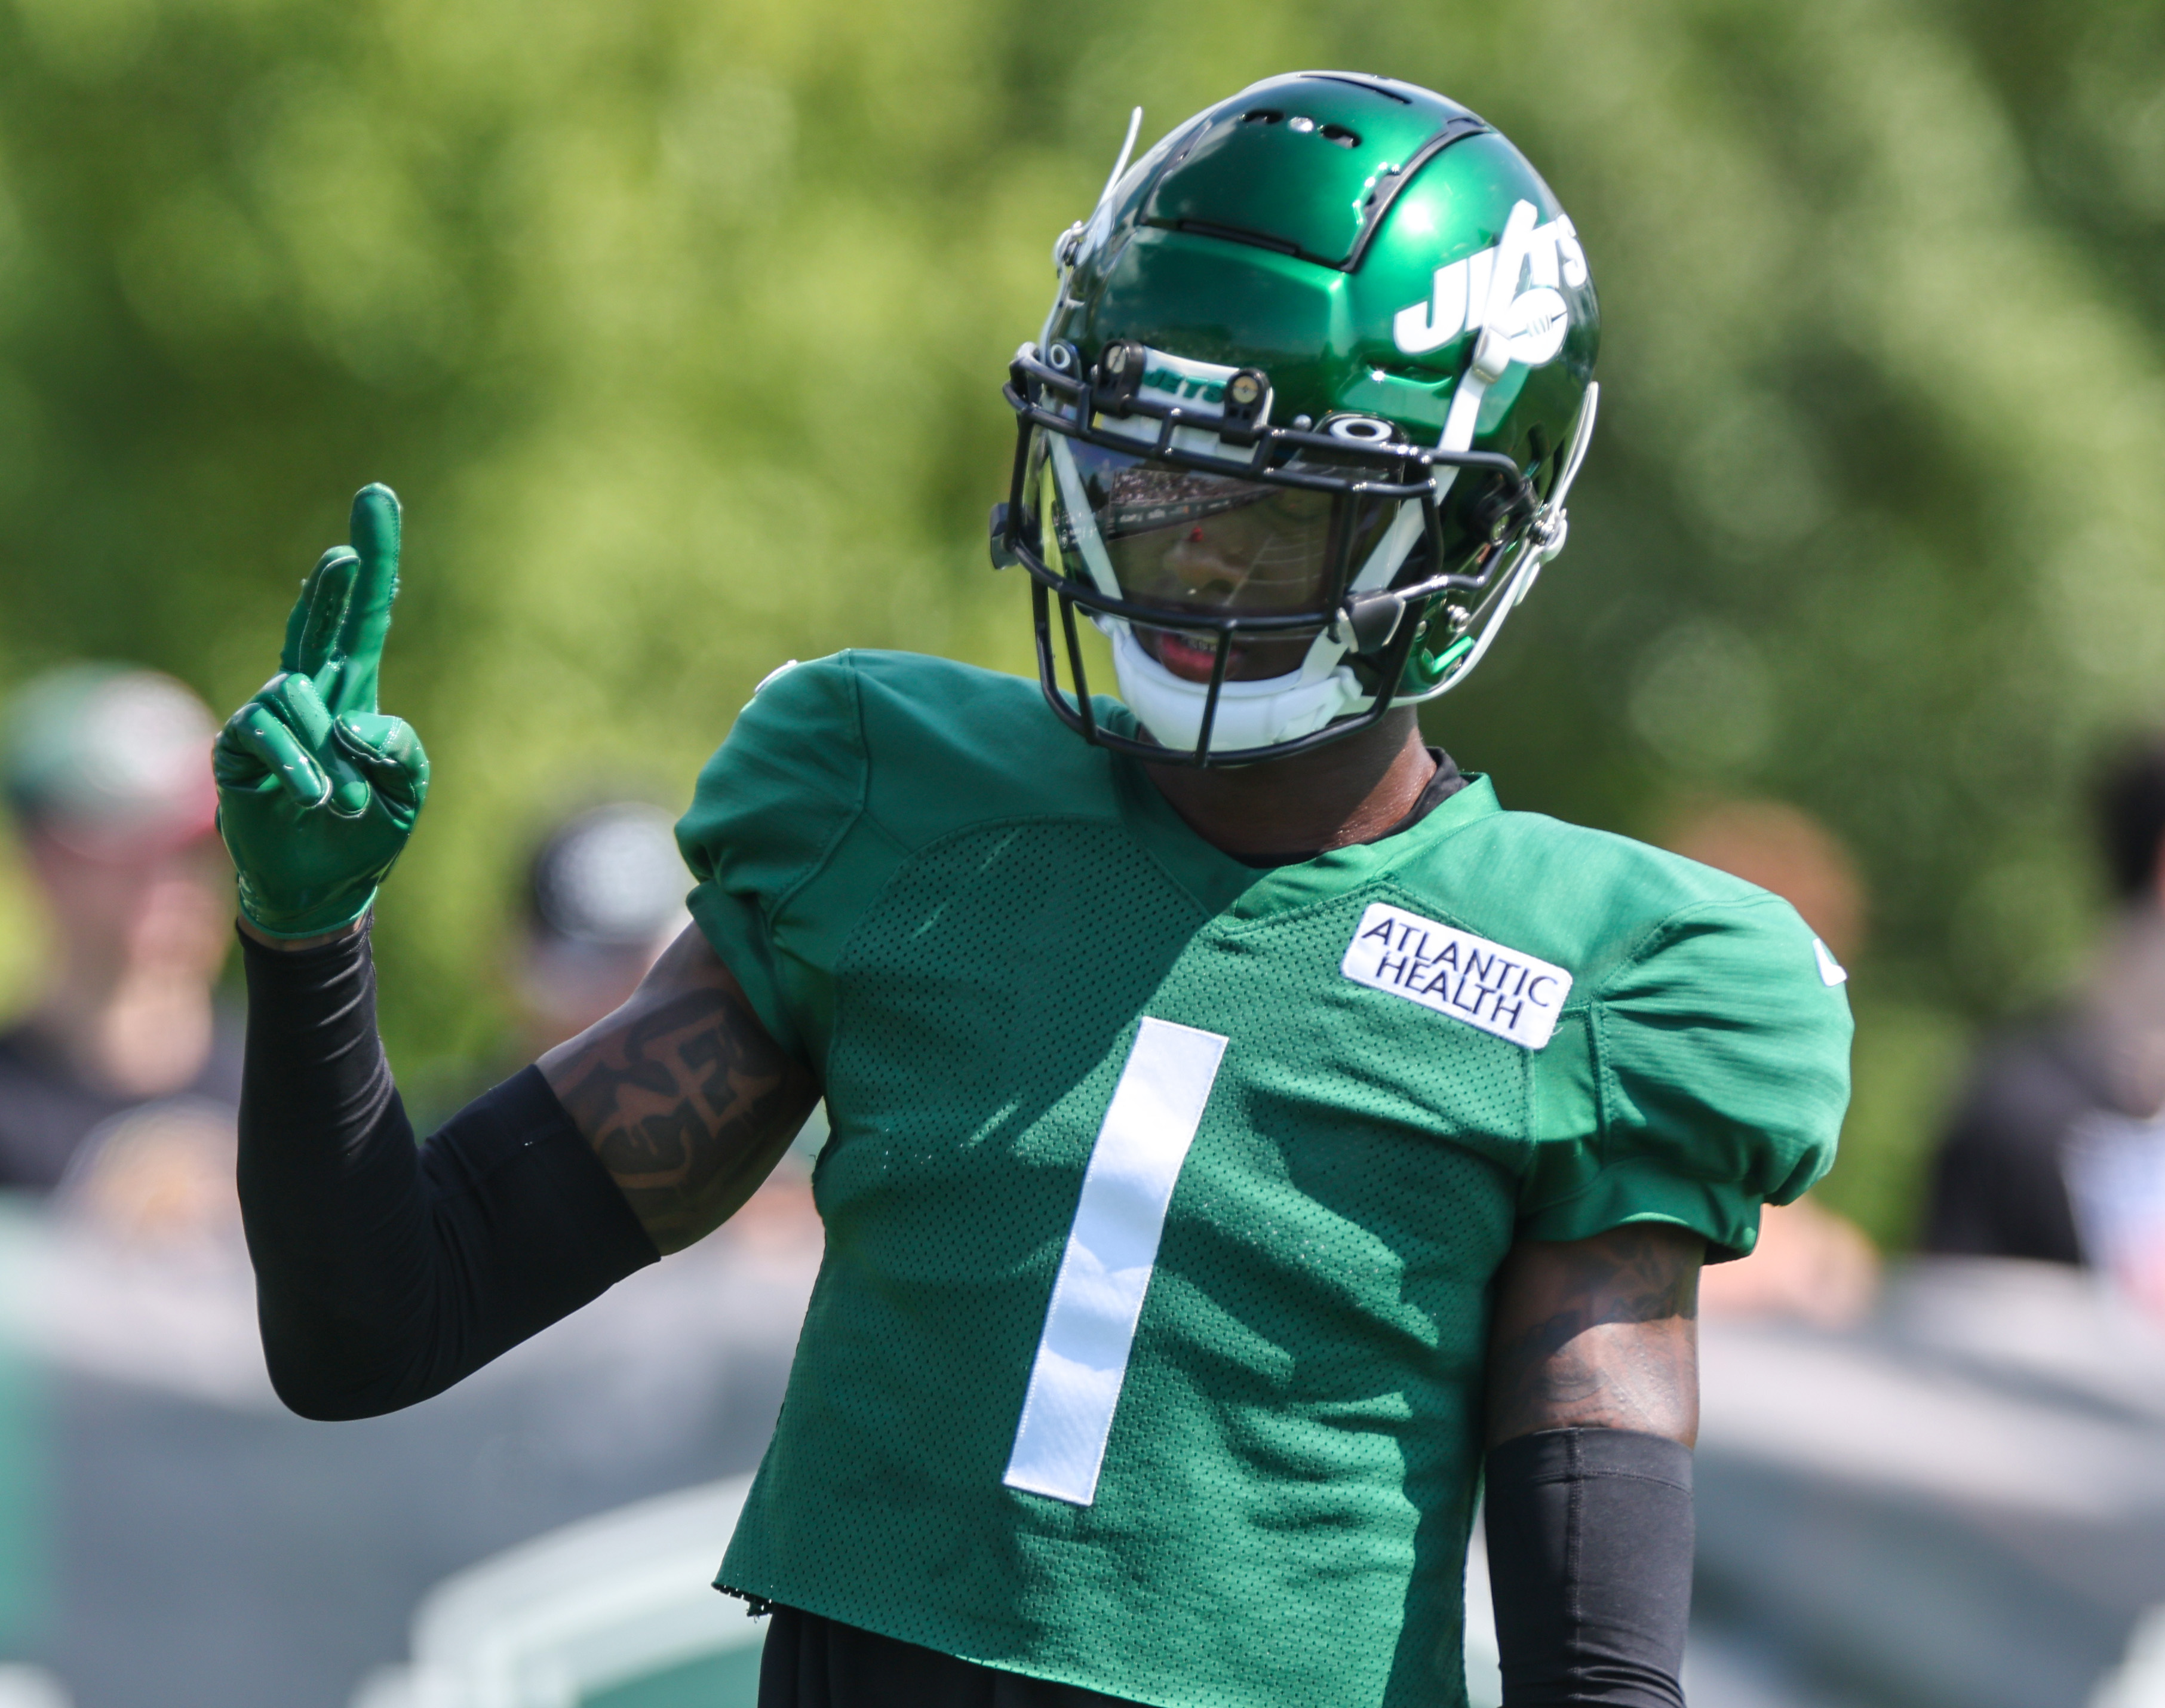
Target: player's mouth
x,y
1192,656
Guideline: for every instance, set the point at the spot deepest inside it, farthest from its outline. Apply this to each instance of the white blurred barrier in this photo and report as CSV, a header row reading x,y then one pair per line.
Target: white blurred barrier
x,y
1484,1675
31,1687
2139,1681
579,1613
1961,1504
150,1485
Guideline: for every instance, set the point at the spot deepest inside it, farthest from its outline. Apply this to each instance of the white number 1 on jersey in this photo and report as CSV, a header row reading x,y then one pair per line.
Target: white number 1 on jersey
x,y
1098,1296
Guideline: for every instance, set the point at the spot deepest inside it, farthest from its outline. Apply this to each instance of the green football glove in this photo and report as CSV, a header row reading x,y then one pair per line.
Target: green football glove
x,y
317,790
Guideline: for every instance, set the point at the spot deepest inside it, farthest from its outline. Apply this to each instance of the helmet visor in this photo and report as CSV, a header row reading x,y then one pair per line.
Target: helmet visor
x,y
1201,545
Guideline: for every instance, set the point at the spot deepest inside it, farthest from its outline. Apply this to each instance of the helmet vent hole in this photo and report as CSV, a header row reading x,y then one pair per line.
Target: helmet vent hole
x,y
1263,115
1340,135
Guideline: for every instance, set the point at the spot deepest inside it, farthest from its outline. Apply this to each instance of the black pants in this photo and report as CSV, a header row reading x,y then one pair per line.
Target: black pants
x,y
815,1663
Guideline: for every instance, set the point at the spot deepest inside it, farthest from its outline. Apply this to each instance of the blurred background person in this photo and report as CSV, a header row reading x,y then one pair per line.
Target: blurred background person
x,y
1810,1263
1938,1486
107,771
2055,1150
604,894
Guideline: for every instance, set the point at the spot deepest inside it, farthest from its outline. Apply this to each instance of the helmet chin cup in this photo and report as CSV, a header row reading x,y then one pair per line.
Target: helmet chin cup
x,y
1250,715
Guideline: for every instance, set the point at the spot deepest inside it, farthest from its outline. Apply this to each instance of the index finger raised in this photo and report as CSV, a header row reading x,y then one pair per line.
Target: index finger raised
x,y
358,652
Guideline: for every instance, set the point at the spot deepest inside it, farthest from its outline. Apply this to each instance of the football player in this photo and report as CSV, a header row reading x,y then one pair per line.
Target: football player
x,y
1245,1130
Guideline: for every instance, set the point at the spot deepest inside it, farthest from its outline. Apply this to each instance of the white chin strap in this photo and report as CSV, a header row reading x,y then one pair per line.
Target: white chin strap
x,y
1250,713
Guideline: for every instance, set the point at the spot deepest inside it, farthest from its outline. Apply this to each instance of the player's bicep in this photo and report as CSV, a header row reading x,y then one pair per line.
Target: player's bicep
x,y
683,1095
1597,1333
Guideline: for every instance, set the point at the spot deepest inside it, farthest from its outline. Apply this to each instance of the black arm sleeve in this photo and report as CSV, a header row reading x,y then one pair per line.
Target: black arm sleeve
x,y
1590,1562
384,1273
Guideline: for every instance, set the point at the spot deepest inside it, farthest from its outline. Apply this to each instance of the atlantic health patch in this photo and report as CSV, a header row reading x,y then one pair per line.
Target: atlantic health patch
x,y
1498,990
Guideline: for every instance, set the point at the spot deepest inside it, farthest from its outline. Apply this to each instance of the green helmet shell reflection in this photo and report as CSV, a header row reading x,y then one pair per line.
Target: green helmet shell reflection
x,y
1330,261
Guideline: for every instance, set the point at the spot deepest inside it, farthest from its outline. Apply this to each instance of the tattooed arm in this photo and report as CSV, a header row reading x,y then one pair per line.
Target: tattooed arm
x,y
683,1096
1600,1333
1593,1409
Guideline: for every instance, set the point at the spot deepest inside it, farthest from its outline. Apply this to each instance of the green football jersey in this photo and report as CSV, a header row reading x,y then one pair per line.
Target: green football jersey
x,y
1164,1193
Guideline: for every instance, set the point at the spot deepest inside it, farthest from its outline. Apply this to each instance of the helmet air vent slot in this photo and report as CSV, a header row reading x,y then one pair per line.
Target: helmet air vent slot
x,y
1340,135
1263,115
1233,233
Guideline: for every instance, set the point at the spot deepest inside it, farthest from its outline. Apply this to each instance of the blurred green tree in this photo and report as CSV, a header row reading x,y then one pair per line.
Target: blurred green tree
x,y
678,326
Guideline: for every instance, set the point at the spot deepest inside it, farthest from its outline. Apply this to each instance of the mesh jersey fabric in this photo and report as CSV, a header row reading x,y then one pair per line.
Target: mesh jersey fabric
x,y
959,915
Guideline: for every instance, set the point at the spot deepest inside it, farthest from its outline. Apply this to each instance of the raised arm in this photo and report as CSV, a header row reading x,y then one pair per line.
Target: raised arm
x,y
1593,1407
386,1271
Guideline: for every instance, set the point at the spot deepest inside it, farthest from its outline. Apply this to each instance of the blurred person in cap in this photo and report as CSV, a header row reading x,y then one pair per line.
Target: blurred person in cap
x,y
2056,1148
604,896
1810,1263
107,771
599,898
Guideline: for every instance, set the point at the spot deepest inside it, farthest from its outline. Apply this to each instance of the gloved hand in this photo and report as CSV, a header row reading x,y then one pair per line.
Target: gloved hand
x,y
318,791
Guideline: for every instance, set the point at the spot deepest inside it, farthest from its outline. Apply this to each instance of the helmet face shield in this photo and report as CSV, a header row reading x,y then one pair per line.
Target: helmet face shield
x,y
1212,547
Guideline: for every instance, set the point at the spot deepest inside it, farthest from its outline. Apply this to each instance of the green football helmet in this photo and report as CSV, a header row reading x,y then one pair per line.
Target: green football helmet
x,y
1298,430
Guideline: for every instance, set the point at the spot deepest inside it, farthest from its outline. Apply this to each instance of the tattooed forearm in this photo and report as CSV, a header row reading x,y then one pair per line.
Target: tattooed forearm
x,y
684,1097
1597,1333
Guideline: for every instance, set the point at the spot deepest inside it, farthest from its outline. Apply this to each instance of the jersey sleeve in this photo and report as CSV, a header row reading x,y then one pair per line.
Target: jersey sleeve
x,y
1719,1065
772,806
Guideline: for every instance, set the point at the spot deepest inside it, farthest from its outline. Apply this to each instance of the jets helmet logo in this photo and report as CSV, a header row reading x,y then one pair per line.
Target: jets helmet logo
x,y
1462,296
